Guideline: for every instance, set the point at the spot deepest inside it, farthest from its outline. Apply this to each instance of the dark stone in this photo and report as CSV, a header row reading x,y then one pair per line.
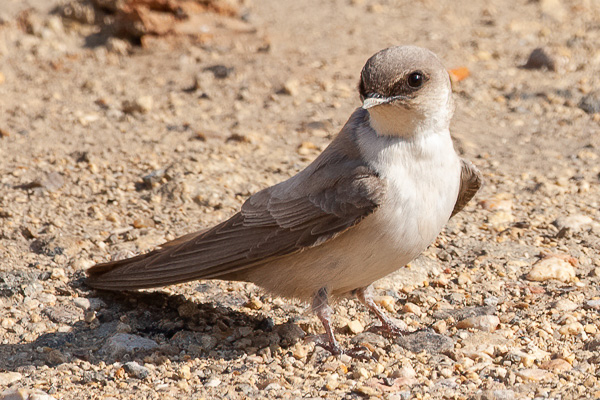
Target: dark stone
x,y
591,102
540,58
220,71
425,340
466,312
136,370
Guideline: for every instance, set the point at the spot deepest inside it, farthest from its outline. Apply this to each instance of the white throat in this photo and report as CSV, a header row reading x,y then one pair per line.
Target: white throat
x,y
396,121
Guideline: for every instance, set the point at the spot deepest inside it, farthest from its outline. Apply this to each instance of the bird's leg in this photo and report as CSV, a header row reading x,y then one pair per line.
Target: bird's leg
x,y
365,296
320,306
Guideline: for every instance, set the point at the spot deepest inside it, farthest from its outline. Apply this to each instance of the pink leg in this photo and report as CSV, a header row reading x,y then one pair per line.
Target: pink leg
x,y
320,306
388,326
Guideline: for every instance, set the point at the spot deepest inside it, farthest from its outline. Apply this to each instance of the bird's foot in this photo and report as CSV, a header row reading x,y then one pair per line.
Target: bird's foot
x,y
360,353
389,330
325,342
357,352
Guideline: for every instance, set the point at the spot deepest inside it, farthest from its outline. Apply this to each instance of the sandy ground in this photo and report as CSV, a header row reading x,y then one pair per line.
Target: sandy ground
x,y
111,149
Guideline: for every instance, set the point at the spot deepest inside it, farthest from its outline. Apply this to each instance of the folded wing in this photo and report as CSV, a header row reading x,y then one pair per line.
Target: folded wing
x,y
307,210
470,182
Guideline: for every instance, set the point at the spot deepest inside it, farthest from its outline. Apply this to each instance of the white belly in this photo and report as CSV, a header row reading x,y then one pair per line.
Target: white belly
x,y
421,194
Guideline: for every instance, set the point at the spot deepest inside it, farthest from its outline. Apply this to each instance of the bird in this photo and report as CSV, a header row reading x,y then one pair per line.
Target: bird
x,y
371,202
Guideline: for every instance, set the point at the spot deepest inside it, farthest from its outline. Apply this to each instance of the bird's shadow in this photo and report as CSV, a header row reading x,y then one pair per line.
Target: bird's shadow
x,y
177,326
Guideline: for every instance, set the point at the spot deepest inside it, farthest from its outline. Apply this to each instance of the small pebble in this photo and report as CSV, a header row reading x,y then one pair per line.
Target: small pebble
x,y
355,327
24,394
556,365
552,268
291,87
332,384
362,373
590,103
123,343
386,302
142,105
82,303
367,390
486,323
300,351
306,148
440,327
213,383
89,316
553,9
593,304
7,378
55,357
185,372
464,279
208,342
534,374
500,202
574,328
118,46
575,223
136,370
254,304
564,305
518,356
143,222
541,58
411,308
58,274
498,394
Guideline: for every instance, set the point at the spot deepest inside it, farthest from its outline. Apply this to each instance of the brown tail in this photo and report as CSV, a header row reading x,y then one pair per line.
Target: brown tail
x,y
144,271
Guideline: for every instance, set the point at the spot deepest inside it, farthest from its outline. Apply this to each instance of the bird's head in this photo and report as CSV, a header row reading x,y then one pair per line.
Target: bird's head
x,y
406,90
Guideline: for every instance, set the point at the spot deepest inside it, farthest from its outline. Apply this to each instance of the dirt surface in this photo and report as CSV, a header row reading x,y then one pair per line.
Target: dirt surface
x,y
109,149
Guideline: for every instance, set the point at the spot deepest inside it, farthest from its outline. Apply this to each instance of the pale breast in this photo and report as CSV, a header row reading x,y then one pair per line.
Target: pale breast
x,y
422,190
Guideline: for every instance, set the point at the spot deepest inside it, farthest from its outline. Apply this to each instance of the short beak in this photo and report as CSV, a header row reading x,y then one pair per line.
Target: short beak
x,y
370,102
374,101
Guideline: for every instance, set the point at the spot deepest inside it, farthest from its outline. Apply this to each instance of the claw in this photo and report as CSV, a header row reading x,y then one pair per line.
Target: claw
x,y
357,352
325,342
388,327
388,330
360,353
320,306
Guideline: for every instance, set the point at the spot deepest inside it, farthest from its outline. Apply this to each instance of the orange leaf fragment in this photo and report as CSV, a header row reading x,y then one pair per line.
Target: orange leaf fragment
x,y
459,74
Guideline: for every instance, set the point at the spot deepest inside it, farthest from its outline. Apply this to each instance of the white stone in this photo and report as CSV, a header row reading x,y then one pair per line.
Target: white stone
x,y
486,323
122,343
534,374
355,327
213,383
552,268
412,308
7,378
573,328
82,303
574,222
565,305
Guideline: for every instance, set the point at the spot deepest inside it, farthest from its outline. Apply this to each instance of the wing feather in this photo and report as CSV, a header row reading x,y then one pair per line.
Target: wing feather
x,y
470,182
332,195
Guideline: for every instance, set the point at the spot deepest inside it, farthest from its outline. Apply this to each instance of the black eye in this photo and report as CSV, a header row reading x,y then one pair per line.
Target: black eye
x,y
415,80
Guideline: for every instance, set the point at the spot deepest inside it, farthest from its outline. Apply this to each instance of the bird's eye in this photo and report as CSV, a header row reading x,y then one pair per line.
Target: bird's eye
x,y
415,80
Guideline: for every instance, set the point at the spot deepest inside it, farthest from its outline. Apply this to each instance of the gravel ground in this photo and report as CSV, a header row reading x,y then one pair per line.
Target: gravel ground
x,y
109,149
